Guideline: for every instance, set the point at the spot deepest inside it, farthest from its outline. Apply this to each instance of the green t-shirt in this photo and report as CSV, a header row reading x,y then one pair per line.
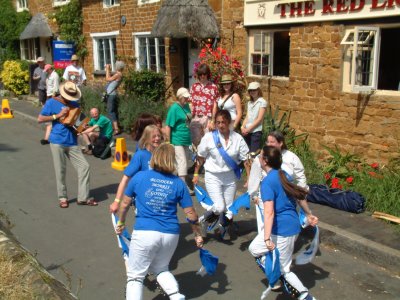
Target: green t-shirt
x,y
178,118
104,124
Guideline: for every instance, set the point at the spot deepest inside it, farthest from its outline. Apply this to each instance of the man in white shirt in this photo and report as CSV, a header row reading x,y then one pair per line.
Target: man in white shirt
x,y
52,81
74,72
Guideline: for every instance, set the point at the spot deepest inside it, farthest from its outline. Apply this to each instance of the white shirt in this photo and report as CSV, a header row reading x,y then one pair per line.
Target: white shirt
x,y
253,107
52,84
229,105
236,148
291,164
75,74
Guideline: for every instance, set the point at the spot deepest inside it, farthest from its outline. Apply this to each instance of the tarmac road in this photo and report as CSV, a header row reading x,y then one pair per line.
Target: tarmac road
x,y
77,245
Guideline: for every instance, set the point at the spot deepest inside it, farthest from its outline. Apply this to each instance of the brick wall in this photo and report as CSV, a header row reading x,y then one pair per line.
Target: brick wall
x,y
46,8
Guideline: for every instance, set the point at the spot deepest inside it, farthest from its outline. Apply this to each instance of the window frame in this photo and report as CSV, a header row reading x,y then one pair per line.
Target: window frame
x,y
22,8
96,59
32,47
60,2
270,52
144,2
116,3
147,36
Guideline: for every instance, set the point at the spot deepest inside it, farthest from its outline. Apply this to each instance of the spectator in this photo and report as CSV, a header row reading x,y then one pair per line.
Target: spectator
x,y
229,100
63,145
178,132
113,82
100,127
74,72
203,95
39,76
143,120
253,122
156,230
52,90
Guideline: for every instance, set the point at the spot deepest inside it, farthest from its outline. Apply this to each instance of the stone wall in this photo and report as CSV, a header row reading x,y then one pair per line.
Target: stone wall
x,y
46,8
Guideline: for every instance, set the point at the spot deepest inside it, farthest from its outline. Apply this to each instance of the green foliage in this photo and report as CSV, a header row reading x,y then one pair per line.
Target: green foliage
x,y
273,122
130,107
91,97
70,22
11,26
15,78
339,164
146,84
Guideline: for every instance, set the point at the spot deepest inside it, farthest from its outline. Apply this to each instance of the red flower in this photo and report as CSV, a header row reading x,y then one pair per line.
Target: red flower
x,y
349,180
340,186
372,174
327,176
375,165
335,183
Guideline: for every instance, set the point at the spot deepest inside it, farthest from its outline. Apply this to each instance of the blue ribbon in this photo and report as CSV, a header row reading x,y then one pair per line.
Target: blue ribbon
x,y
229,161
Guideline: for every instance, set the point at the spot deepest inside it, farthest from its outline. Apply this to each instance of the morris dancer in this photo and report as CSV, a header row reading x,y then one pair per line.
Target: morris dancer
x,y
222,150
281,222
156,231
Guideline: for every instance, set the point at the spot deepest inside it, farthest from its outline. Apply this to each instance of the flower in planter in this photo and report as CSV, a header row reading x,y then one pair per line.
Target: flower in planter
x,y
374,165
349,180
335,183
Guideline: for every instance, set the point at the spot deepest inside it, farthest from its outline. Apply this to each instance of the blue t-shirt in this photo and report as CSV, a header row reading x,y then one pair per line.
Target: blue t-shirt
x,y
157,196
286,220
60,134
139,162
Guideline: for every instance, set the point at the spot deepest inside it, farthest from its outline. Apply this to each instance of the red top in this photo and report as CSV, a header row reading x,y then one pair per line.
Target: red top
x,y
203,98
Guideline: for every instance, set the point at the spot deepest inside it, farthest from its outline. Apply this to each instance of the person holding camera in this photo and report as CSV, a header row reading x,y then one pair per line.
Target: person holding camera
x,y
113,82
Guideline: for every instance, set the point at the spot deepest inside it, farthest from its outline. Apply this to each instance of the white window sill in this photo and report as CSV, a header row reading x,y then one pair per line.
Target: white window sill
x,y
110,6
57,4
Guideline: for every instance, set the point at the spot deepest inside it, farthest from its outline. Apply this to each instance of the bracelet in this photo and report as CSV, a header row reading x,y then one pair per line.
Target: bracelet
x,y
195,174
117,200
120,223
167,142
54,117
194,222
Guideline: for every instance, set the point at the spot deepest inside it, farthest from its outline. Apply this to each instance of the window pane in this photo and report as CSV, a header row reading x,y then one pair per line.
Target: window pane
x,y
100,54
281,53
389,59
364,59
142,53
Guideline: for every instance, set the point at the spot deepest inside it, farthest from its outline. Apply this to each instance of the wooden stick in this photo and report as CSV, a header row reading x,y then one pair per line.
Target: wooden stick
x,y
380,215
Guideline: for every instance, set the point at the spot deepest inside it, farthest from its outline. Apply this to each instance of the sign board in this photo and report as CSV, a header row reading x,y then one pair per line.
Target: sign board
x,y
290,11
62,52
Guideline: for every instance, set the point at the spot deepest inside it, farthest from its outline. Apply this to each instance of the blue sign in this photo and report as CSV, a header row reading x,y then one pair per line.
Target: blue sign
x,y
62,51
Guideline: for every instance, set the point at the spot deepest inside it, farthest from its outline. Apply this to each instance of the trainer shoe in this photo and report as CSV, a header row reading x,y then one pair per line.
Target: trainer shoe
x,y
277,286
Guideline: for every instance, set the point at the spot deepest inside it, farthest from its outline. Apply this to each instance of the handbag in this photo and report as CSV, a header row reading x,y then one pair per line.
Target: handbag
x,y
104,97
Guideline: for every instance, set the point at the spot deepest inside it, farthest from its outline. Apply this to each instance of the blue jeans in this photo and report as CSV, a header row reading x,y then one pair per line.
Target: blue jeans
x,y
112,107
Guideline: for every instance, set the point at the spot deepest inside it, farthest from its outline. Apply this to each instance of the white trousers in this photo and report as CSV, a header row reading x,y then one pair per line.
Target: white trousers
x,y
151,252
222,189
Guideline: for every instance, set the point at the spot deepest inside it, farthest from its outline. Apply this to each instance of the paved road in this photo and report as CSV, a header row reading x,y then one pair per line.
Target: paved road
x,y
77,245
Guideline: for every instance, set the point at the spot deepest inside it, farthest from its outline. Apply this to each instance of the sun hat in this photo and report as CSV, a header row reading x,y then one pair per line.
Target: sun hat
x,y
183,92
226,78
69,91
253,86
74,57
47,67
40,59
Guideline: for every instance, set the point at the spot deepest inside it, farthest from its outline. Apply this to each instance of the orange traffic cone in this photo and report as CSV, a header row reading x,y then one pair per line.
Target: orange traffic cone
x,y
6,112
121,159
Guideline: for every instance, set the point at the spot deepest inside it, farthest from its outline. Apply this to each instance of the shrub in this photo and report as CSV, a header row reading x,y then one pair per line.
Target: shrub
x,y
146,84
91,97
15,78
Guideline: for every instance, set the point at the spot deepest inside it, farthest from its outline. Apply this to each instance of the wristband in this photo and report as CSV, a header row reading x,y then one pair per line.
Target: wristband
x,y
117,200
167,142
120,223
195,175
54,117
194,222
266,240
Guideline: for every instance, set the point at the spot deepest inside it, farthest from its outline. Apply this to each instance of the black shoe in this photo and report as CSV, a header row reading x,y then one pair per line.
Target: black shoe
x,y
44,142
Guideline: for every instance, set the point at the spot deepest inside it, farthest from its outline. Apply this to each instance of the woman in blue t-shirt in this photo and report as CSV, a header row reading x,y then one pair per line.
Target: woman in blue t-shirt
x,y
281,222
150,140
156,230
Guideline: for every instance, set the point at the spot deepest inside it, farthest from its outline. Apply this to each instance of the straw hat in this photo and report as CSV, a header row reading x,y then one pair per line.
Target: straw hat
x,y
74,57
253,86
226,78
69,91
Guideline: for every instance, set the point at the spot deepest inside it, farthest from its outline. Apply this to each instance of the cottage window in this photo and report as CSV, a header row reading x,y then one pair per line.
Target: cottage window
x,y
142,2
104,49
60,2
108,3
22,5
150,53
269,53
30,49
371,59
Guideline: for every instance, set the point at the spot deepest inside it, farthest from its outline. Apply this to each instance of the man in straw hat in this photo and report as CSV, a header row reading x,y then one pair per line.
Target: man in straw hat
x,y
63,144
39,76
74,72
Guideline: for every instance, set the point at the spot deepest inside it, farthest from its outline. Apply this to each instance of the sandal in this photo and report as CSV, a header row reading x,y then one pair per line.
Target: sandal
x,y
64,204
90,202
117,132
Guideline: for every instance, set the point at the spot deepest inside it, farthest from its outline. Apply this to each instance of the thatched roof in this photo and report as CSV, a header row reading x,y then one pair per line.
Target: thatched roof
x,y
185,18
37,27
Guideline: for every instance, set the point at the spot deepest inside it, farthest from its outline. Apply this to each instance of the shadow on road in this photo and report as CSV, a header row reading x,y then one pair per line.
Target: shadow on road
x,y
5,147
